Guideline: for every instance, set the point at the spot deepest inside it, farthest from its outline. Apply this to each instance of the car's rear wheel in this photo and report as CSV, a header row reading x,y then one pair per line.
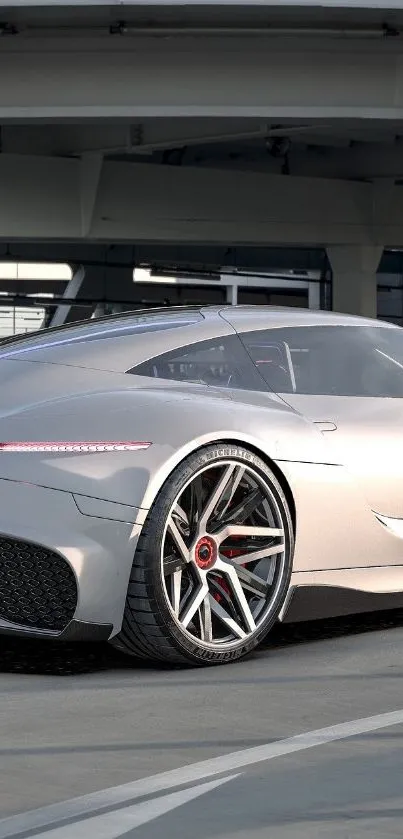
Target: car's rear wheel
x,y
213,562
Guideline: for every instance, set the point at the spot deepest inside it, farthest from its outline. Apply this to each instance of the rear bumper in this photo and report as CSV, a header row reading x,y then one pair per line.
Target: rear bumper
x,y
96,545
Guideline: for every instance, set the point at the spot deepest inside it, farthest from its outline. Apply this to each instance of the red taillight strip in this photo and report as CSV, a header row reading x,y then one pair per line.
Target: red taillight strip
x,y
79,446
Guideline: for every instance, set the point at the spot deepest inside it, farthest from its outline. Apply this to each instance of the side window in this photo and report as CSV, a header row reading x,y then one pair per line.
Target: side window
x,y
219,362
329,360
271,356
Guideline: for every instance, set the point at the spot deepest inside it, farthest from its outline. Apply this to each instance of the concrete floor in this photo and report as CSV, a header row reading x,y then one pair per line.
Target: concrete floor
x,y
77,720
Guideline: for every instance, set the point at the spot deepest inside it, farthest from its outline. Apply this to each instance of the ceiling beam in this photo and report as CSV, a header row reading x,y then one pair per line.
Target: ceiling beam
x,y
80,78
40,198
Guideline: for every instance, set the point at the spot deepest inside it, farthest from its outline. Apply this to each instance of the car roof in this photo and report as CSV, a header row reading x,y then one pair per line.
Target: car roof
x,y
243,317
137,336
240,317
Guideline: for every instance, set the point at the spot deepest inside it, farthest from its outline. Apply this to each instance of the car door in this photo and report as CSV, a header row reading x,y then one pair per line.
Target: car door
x,y
349,380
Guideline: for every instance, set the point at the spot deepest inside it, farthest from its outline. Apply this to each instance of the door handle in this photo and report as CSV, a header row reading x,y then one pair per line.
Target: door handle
x,y
325,426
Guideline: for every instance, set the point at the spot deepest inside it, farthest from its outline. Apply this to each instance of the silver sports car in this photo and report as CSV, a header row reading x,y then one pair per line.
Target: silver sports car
x,y
177,480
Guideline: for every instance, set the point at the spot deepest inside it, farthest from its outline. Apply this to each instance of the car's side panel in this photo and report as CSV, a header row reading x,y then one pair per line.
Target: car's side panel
x,y
176,422
336,528
368,439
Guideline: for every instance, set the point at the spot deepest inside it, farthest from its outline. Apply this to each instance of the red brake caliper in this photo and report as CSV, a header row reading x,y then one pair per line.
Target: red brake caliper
x,y
229,553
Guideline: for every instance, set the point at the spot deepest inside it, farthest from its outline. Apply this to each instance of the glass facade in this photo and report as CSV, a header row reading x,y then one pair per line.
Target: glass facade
x,y
390,298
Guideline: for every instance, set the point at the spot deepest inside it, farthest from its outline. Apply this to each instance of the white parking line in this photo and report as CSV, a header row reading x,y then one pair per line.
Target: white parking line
x,y
118,822
76,808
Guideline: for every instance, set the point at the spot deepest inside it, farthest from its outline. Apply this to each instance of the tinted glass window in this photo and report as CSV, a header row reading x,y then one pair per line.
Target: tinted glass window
x,y
220,362
329,360
96,330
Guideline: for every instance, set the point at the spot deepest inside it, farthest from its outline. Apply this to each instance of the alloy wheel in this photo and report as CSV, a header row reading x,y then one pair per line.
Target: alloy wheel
x,y
223,554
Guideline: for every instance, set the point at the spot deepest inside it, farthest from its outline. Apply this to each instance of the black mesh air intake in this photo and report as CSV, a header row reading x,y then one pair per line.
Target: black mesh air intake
x,y
37,586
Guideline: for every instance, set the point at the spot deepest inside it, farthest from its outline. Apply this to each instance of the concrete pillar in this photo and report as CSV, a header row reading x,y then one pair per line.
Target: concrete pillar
x,y
232,294
99,311
354,270
314,295
71,292
96,285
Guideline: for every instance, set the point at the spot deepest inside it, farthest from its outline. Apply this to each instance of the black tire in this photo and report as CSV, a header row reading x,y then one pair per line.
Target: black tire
x,y
149,629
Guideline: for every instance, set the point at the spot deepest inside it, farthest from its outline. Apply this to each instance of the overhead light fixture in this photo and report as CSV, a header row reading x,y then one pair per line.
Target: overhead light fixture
x,y
384,31
186,275
143,275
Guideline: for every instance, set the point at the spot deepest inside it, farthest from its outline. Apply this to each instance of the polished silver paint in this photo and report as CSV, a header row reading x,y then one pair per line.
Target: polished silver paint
x,y
339,458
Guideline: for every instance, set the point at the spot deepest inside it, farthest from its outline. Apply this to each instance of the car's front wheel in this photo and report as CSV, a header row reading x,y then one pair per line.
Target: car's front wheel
x,y
213,562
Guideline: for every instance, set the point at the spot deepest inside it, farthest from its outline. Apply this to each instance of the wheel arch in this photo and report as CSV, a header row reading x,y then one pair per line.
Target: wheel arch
x,y
165,468
256,450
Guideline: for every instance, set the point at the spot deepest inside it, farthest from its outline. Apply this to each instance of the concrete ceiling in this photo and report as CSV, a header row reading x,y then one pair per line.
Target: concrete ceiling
x,y
324,100
103,136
